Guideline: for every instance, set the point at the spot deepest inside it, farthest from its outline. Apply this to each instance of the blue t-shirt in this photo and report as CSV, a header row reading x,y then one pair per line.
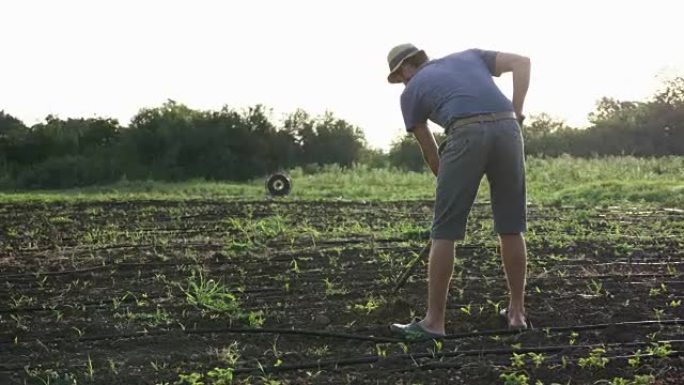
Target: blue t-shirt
x,y
455,86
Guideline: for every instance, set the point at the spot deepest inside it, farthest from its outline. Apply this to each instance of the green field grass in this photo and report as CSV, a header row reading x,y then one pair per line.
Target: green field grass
x,y
564,181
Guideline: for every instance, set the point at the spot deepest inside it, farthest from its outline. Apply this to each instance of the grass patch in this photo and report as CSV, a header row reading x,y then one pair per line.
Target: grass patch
x,y
666,193
563,180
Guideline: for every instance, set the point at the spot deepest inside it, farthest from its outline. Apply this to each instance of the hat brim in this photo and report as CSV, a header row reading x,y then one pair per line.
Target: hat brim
x,y
393,77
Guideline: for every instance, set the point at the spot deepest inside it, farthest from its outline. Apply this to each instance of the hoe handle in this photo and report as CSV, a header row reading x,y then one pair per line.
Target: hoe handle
x,y
411,266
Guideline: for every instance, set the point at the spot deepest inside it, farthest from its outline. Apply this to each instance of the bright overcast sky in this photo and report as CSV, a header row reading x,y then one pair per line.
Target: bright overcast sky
x,y
111,58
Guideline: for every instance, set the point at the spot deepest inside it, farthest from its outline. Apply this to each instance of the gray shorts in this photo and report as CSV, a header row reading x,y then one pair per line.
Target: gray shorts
x,y
494,149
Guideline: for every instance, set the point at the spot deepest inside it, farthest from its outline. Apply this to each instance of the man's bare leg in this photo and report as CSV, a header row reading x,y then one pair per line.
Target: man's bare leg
x,y
440,269
514,256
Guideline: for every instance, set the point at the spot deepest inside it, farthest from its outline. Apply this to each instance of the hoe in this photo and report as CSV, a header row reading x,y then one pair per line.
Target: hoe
x,y
412,266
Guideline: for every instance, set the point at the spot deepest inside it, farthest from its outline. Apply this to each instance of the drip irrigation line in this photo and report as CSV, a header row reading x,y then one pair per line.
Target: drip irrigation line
x,y
583,277
194,244
147,268
231,205
105,304
229,330
638,263
372,359
112,267
347,336
285,258
408,271
622,278
115,265
275,290
547,361
557,329
89,249
366,238
464,353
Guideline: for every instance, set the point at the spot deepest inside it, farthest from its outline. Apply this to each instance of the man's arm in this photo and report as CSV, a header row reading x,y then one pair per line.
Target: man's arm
x,y
520,66
428,146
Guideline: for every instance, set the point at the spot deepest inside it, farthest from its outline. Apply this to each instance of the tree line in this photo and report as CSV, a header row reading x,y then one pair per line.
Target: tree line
x,y
170,143
173,142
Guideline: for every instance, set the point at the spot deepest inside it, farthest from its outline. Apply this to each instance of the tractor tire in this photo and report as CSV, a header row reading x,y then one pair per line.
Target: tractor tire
x,y
278,185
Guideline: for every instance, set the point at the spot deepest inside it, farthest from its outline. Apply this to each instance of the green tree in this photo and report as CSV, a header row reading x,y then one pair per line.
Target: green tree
x,y
326,139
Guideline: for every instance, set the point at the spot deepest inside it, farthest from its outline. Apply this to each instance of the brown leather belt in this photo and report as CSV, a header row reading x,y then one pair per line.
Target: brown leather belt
x,y
480,119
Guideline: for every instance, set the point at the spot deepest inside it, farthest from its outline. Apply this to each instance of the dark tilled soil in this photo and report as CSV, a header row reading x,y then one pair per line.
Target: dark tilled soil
x,y
97,293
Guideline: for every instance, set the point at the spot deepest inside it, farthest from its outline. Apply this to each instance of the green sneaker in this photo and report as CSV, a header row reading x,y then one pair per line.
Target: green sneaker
x,y
413,331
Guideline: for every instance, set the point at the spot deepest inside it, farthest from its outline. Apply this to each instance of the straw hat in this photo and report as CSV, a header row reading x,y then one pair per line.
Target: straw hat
x,y
396,58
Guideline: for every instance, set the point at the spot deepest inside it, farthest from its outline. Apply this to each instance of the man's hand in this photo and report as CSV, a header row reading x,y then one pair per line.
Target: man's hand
x,y
428,146
521,118
520,66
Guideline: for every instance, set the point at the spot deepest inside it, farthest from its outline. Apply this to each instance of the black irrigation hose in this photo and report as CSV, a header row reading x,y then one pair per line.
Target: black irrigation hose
x,y
567,328
638,263
113,266
330,242
279,331
131,265
176,264
323,334
125,266
190,230
458,365
235,205
266,293
124,246
464,353
360,238
427,366
97,305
